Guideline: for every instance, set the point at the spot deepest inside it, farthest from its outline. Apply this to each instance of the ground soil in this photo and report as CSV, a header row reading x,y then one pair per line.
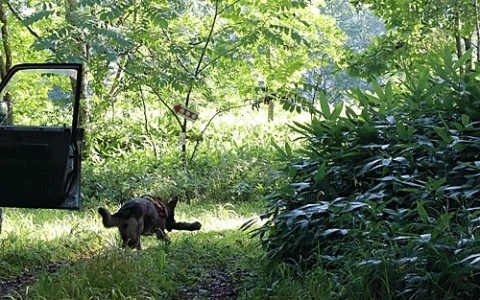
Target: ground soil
x,y
14,288
217,283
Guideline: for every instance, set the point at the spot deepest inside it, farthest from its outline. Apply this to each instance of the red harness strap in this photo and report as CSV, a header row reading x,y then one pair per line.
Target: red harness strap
x,y
160,206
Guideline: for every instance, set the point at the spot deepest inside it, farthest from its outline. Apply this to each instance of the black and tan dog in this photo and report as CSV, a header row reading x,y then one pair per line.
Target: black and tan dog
x,y
144,216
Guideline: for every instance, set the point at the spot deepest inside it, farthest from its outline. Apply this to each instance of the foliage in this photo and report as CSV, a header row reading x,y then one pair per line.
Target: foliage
x,y
233,160
389,191
360,26
416,30
213,53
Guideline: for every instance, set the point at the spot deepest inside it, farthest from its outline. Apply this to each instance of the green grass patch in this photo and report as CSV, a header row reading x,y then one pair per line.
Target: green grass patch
x,y
158,272
72,256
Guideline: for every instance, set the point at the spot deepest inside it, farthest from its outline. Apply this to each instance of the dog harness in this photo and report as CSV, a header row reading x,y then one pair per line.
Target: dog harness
x,y
160,206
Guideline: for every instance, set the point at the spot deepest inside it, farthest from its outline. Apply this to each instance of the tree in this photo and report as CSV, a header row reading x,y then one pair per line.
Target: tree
x,y
211,52
417,28
360,26
226,52
5,64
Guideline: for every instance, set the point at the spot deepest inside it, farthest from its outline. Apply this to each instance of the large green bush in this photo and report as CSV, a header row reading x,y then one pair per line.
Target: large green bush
x,y
389,192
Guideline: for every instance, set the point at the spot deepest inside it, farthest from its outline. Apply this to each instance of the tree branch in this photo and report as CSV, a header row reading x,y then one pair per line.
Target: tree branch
x,y
195,77
157,93
146,123
208,124
20,19
176,54
220,56
228,6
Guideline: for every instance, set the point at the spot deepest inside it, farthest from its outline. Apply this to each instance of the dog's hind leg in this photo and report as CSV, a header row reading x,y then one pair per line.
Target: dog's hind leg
x,y
161,235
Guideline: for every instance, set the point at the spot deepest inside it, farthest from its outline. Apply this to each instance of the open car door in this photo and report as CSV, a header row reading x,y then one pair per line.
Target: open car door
x,y
40,142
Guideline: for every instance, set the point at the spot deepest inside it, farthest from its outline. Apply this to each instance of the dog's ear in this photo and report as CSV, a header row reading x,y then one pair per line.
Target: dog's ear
x,y
173,202
171,218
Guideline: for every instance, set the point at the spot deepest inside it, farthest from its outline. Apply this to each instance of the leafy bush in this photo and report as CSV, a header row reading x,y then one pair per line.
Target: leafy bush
x,y
390,192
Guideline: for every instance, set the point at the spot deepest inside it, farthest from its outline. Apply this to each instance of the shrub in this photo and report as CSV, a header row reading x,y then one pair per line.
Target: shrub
x,y
390,192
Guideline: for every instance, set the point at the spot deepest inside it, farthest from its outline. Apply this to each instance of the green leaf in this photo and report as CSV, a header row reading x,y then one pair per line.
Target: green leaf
x,y
422,212
321,172
159,16
37,16
292,171
279,150
351,114
288,149
402,131
463,59
378,90
302,128
434,184
444,134
375,164
475,258
465,120
337,111
325,106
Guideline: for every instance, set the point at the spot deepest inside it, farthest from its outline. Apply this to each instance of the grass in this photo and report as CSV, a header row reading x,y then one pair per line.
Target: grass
x,y
92,266
72,256
159,272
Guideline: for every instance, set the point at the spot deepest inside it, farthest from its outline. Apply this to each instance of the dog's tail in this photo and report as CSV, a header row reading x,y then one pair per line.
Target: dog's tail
x,y
107,218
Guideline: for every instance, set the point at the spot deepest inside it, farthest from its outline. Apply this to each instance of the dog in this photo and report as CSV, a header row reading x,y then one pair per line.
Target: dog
x,y
146,215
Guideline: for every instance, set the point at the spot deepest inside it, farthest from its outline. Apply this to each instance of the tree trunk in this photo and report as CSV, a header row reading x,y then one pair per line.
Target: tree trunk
x,y
468,45
5,61
477,28
183,143
82,50
458,38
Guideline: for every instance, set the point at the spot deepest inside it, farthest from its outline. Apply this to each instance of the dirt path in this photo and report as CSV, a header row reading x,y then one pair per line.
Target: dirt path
x,y
14,288
217,283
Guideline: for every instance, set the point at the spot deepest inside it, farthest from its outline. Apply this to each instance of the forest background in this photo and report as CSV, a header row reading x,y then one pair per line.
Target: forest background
x,y
350,126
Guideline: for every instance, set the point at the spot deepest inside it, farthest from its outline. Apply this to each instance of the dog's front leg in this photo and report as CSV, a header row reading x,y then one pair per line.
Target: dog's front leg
x,y
126,243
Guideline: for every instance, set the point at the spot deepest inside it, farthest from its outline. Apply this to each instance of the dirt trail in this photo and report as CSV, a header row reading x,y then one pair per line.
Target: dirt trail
x,y
217,283
15,287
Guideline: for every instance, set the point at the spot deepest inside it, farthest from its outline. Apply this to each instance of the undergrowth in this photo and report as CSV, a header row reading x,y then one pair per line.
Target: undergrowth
x,y
386,199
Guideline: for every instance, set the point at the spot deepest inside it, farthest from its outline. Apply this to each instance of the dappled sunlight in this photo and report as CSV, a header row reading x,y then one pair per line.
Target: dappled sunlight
x,y
218,217
47,225
217,224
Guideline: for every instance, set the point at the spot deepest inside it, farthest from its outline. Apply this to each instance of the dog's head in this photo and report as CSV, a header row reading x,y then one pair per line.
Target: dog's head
x,y
171,216
129,233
